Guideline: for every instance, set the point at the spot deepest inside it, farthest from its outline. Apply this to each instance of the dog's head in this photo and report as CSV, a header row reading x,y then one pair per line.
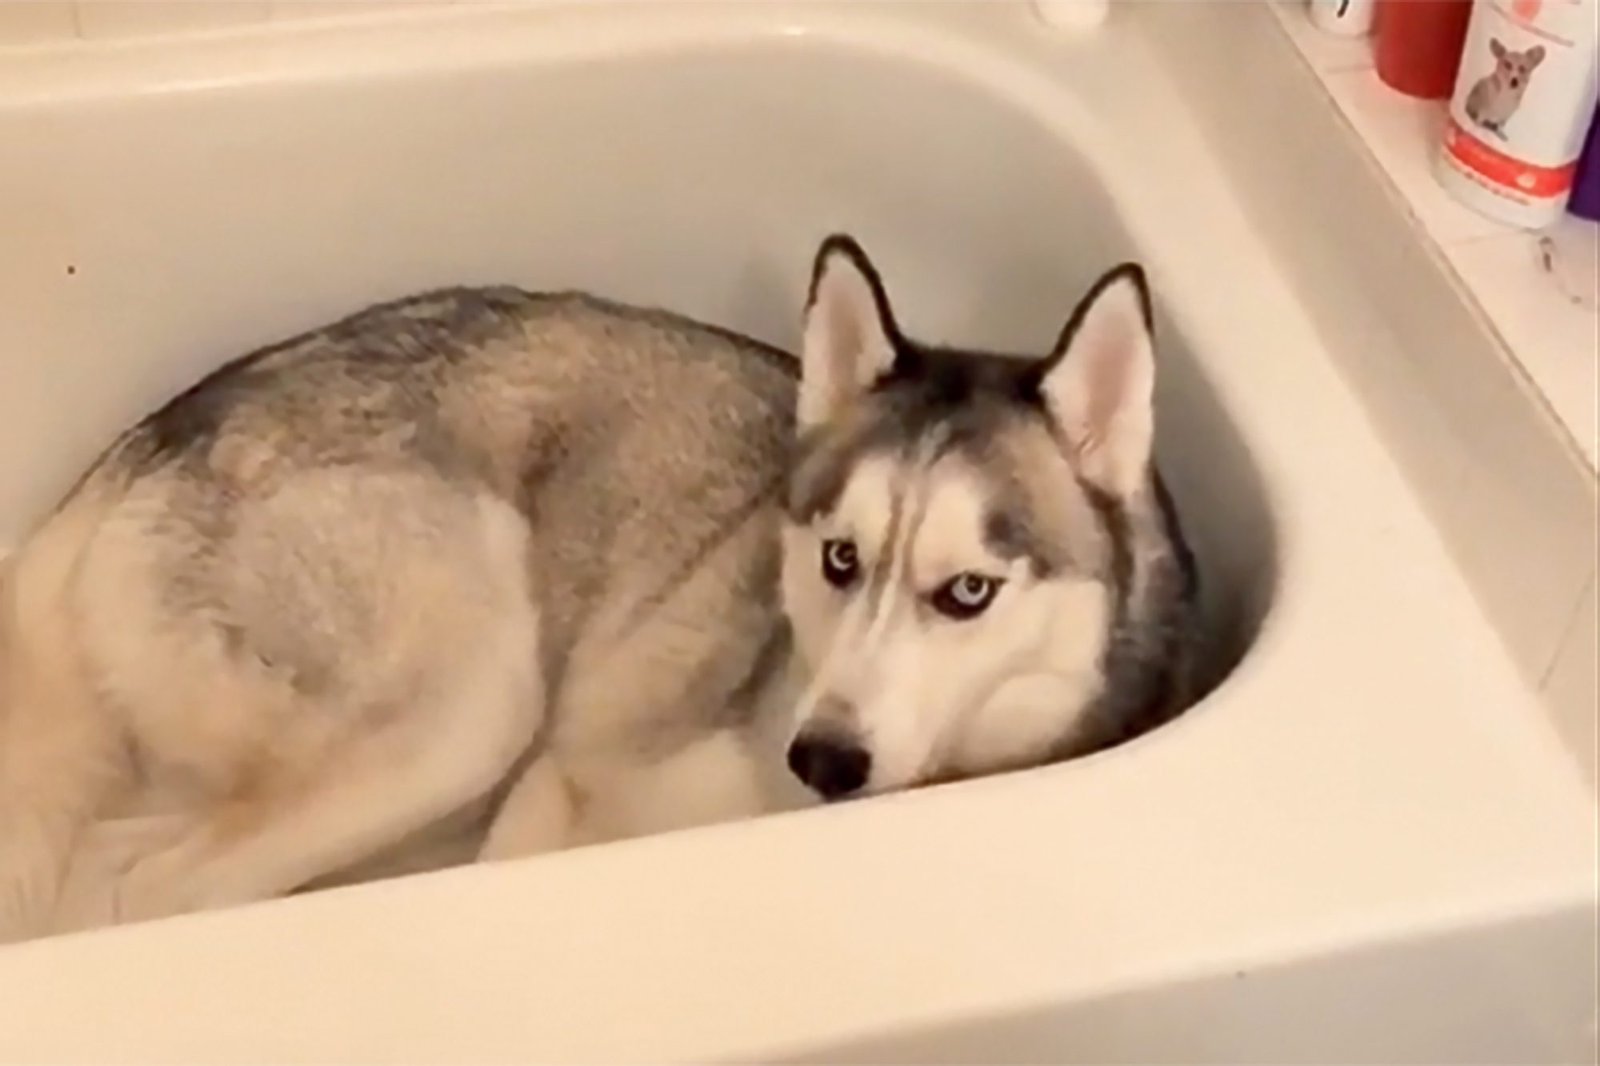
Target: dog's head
x,y
1513,69
956,539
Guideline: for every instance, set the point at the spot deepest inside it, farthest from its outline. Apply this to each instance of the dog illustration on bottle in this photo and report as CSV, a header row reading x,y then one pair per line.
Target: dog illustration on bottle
x,y
1496,98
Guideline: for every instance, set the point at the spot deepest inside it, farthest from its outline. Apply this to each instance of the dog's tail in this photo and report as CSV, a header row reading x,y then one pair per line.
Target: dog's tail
x,y
58,749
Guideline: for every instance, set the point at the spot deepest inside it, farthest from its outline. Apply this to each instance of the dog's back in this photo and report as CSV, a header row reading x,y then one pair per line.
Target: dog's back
x,y
341,562
634,443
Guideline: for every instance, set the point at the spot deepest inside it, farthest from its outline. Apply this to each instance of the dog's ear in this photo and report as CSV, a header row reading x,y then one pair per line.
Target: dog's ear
x,y
1497,49
1535,56
1098,384
850,335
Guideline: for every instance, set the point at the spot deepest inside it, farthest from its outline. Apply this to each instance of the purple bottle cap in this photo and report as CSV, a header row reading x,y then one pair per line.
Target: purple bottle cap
x,y
1585,201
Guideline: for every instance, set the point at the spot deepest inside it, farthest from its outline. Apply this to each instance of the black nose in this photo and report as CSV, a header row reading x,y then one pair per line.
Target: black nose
x,y
834,767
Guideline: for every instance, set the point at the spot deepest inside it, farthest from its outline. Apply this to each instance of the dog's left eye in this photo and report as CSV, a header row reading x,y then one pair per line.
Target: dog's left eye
x,y
965,596
840,563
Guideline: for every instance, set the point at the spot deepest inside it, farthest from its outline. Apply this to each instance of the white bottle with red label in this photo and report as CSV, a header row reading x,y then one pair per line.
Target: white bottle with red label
x,y
1521,107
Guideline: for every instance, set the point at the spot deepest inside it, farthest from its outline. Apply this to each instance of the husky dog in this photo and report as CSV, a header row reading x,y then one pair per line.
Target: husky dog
x,y
552,570
1493,99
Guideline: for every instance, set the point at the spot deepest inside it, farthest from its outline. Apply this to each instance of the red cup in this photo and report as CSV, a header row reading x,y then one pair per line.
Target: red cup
x,y
1418,45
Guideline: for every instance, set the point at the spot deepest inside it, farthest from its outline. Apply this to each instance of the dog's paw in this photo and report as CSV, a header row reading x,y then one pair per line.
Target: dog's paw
x,y
115,870
30,883
536,817
157,886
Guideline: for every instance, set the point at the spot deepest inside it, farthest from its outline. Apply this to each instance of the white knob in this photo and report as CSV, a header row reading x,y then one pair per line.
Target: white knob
x,y
1072,14
1344,18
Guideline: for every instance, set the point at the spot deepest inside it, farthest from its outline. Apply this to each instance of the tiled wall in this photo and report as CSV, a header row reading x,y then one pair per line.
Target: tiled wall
x,y
32,23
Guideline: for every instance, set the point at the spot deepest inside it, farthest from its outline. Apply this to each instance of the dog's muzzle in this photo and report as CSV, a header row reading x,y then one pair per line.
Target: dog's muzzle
x,y
831,764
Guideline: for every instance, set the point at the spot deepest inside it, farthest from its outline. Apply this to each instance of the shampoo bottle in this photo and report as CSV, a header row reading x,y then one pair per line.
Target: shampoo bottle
x,y
1417,45
1523,101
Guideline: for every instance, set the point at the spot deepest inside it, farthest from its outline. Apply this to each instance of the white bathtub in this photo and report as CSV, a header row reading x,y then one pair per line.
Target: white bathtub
x,y
1367,845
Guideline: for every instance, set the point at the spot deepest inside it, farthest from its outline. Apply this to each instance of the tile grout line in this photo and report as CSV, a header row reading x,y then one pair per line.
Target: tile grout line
x,y
1574,620
1508,233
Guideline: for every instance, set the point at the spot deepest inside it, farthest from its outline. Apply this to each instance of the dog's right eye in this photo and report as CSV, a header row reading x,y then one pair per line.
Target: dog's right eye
x,y
966,596
840,563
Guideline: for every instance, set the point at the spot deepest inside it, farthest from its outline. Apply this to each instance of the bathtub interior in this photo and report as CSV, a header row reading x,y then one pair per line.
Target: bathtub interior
x,y
164,233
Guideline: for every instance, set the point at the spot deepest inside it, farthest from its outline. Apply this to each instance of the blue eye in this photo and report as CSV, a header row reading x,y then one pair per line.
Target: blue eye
x,y
840,563
965,596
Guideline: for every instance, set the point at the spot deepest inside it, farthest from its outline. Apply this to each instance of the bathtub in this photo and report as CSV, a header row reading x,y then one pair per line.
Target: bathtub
x,y
1367,843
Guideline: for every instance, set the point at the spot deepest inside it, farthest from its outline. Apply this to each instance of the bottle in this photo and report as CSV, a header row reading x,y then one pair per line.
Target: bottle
x,y
1585,201
1522,103
1344,18
1418,45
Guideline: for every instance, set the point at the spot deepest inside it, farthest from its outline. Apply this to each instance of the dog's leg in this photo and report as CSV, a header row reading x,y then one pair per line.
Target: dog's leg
x,y
537,815
55,763
60,750
715,778
445,751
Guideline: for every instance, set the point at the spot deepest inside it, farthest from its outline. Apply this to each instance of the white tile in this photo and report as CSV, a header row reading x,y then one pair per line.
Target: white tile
x,y
1525,515
36,21
99,19
1543,307
1571,690
1403,133
1328,53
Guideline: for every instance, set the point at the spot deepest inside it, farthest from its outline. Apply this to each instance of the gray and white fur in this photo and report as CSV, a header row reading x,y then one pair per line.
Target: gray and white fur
x,y
484,572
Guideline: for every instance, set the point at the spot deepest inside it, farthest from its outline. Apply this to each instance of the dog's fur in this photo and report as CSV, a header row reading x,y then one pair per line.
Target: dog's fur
x,y
526,571
1493,99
